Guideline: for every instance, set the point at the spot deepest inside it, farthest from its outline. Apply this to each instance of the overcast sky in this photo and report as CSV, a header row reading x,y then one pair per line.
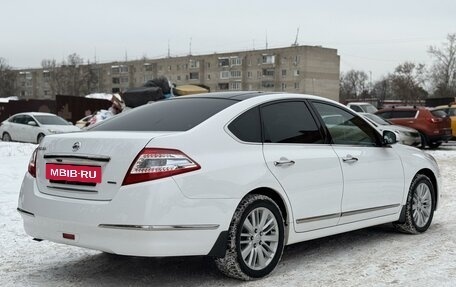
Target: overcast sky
x,y
374,36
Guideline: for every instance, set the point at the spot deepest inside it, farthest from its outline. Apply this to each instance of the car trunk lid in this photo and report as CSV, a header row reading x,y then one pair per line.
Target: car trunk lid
x,y
88,165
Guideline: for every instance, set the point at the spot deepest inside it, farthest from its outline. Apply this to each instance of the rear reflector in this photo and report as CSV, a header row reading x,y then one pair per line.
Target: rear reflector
x,y
32,163
155,163
68,236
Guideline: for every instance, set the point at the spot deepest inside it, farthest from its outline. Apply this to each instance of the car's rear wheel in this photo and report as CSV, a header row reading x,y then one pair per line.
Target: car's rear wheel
x,y
256,239
419,209
6,137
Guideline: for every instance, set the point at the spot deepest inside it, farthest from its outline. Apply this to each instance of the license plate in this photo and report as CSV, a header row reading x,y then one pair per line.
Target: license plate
x,y
75,173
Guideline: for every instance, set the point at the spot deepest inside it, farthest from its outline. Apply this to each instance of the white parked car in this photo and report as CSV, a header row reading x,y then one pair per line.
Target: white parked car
x,y
235,176
33,127
362,107
405,135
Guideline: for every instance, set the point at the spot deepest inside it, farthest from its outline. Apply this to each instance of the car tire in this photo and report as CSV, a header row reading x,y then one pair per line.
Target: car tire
x,y
419,209
434,145
6,137
423,141
255,239
39,138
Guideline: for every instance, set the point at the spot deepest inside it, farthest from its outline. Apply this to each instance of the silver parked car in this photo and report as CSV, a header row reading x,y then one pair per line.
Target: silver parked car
x,y
33,127
405,135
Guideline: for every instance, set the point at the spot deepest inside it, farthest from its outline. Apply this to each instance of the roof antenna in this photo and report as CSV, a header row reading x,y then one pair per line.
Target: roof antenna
x,y
190,47
266,39
169,55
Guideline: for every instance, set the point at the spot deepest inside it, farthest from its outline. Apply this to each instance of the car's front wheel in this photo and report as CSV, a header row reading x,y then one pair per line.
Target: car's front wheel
x,y
256,239
6,137
419,208
39,138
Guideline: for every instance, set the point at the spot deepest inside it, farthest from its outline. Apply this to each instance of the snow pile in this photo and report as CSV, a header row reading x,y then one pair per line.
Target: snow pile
x,y
7,99
102,96
376,256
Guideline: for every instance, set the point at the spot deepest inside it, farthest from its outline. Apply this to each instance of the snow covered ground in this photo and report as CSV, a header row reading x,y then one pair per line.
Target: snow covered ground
x,y
376,256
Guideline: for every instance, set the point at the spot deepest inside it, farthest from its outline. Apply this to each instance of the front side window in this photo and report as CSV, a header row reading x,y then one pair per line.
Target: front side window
x,y
289,122
403,114
346,128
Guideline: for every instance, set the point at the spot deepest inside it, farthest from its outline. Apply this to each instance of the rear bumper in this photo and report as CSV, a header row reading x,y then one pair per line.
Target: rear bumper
x,y
141,220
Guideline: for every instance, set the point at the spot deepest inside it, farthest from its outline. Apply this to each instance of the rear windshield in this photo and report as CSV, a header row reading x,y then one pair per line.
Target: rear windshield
x,y
169,115
439,113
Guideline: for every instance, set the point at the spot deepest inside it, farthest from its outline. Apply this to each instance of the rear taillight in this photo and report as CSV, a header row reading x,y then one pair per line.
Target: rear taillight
x,y
435,120
155,163
32,163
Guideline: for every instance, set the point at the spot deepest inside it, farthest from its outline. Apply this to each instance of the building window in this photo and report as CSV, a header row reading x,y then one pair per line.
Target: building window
x,y
147,67
208,76
267,84
194,76
268,72
178,78
259,75
235,61
296,60
284,73
224,62
23,94
296,85
46,75
236,74
223,86
124,79
169,68
235,86
115,90
194,64
208,65
296,73
115,69
47,92
224,74
160,68
268,59
249,74
124,69
284,86
116,80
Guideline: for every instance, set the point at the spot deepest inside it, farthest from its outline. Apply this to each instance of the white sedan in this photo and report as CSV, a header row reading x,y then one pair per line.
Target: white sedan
x,y
235,176
33,127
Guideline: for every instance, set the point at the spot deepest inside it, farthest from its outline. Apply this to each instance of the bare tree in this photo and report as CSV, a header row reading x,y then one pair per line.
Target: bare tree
x,y
383,90
443,72
7,80
408,82
70,77
353,85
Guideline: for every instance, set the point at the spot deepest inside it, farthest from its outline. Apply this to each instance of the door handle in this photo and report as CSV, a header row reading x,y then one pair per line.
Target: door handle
x,y
284,162
349,158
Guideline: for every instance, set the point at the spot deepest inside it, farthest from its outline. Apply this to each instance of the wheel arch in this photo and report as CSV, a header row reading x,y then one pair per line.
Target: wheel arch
x,y
427,172
276,197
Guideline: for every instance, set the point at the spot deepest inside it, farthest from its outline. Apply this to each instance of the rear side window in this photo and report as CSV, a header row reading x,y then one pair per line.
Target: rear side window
x,y
247,127
356,109
169,115
289,122
403,114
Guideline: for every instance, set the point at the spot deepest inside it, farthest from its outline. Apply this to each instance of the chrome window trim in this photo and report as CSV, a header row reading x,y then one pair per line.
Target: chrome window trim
x,y
78,156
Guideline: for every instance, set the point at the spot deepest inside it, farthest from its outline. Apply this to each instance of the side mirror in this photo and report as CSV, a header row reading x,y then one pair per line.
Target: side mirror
x,y
389,137
32,123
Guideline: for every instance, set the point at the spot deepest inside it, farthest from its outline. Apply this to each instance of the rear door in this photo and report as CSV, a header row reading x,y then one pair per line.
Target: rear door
x,y
307,168
373,176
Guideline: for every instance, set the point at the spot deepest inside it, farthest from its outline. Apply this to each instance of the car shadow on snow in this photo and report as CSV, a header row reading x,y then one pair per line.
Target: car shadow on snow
x,y
105,269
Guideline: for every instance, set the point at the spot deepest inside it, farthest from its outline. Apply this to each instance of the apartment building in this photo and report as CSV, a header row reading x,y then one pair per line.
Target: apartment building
x,y
296,69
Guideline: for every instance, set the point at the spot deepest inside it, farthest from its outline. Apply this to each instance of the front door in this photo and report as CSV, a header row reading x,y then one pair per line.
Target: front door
x,y
373,173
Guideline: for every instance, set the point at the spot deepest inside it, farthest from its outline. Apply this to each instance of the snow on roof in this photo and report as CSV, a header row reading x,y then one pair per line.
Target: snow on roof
x,y
103,96
7,99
